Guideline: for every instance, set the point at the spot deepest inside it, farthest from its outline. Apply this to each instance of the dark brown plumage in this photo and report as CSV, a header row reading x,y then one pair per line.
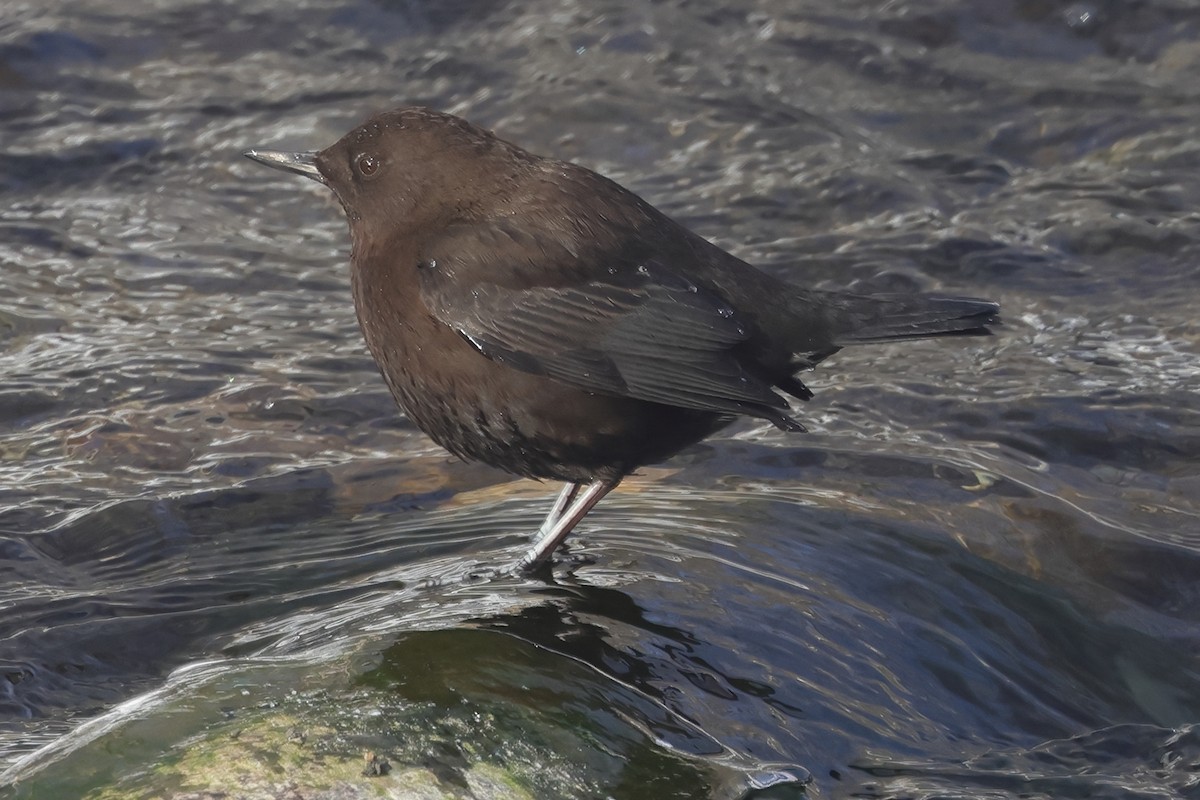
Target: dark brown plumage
x,y
536,316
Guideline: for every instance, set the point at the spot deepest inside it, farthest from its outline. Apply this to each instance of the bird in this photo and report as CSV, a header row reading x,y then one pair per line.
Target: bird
x,y
532,314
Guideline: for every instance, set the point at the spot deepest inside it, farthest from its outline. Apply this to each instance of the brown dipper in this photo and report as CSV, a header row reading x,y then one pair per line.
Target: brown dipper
x,y
538,317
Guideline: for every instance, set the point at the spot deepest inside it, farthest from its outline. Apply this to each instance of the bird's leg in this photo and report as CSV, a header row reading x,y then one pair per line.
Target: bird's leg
x,y
560,504
571,506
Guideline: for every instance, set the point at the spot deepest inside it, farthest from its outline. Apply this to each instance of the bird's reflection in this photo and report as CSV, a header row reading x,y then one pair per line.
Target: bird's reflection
x,y
589,659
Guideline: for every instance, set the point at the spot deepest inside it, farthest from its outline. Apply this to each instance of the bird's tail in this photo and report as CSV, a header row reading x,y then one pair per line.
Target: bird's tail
x,y
863,319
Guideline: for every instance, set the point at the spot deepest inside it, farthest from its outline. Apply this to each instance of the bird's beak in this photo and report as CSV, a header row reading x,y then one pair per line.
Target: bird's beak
x,y
300,163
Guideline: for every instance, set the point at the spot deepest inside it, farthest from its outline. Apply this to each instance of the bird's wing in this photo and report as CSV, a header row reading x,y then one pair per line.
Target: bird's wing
x,y
640,331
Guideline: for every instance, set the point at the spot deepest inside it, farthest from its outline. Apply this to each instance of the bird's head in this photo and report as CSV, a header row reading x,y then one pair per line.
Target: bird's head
x,y
408,170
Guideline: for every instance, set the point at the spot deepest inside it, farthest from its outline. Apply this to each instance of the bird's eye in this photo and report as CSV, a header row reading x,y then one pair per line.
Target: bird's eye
x,y
366,165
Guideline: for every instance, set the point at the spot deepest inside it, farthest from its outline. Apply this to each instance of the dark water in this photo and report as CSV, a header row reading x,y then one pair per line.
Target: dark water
x,y
977,576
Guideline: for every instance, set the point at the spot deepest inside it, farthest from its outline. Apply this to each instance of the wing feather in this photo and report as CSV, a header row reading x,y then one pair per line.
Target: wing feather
x,y
634,330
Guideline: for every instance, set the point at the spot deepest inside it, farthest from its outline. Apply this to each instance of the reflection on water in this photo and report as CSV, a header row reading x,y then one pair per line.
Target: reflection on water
x,y
976,576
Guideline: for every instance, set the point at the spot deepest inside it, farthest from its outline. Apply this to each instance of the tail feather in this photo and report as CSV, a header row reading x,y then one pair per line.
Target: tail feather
x,y
880,318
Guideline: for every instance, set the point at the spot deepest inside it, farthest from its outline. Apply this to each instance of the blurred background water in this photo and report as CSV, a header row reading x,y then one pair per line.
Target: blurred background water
x,y
977,576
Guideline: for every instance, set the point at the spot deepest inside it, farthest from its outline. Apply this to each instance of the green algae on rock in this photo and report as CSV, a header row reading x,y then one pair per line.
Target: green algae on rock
x,y
279,757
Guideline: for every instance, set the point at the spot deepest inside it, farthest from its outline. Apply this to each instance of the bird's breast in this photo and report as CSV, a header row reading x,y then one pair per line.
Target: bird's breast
x,y
485,410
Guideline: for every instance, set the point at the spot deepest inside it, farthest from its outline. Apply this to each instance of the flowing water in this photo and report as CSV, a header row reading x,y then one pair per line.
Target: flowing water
x,y
977,576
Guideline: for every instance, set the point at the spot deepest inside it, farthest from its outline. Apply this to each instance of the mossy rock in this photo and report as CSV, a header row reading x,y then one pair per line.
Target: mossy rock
x,y
282,758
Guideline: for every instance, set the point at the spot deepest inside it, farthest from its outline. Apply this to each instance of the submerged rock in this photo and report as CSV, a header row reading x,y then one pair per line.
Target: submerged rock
x,y
279,758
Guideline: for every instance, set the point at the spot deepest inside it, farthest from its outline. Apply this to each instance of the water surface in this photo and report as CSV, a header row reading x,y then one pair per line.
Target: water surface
x,y
978,574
